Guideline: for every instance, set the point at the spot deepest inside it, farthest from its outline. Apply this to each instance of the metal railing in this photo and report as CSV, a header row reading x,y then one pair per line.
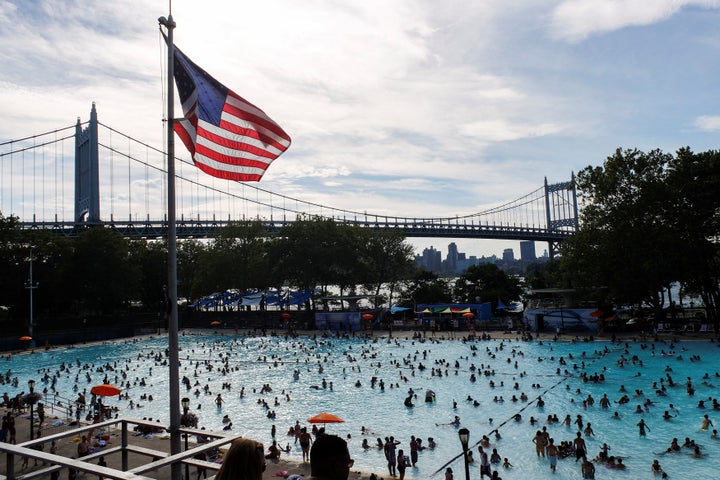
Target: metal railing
x,y
159,459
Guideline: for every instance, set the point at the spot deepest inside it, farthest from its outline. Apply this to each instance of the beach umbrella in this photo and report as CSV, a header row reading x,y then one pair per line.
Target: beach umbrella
x,y
214,323
325,418
105,390
25,338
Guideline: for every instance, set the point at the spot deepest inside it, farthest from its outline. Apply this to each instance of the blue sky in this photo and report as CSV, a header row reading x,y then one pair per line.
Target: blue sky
x,y
399,107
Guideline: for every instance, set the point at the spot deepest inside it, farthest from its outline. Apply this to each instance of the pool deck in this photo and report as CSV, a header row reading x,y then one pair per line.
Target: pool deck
x,y
141,449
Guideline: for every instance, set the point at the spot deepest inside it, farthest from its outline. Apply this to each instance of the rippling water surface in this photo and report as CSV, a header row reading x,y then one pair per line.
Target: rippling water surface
x,y
348,365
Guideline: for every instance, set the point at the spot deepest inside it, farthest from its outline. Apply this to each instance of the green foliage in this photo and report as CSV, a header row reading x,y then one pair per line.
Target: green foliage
x,y
425,286
150,261
236,258
648,220
486,283
104,277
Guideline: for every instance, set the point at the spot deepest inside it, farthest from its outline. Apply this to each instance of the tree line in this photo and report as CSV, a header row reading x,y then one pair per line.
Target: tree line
x,y
101,273
649,220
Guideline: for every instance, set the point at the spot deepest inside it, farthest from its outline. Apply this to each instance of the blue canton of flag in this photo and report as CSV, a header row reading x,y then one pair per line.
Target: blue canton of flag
x,y
227,136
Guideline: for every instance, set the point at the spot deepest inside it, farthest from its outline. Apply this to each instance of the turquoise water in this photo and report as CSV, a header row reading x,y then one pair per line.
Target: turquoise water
x,y
252,362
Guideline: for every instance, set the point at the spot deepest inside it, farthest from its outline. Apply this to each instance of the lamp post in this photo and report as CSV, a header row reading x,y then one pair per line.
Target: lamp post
x,y
31,399
464,435
31,285
185,421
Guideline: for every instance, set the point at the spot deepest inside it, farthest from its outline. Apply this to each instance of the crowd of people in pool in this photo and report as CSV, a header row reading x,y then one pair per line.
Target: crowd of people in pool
x,y
490,460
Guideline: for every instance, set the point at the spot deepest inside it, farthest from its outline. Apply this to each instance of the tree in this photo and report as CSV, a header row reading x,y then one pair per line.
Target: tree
x,y
649,220
623,229
486,282
236,258
150,260
104,278
385,259
189,254
311,252
425,286
695,216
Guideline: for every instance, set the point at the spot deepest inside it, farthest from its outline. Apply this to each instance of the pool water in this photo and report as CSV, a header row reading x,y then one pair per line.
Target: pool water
x,y
443,366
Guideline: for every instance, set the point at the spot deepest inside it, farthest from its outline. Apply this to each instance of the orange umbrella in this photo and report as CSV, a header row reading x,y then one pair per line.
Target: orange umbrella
x,y
105,390
325,418
215,323
25,338
468,314
368,316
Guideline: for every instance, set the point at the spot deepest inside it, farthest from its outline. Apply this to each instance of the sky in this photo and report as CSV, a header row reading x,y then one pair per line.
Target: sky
x,y
395,107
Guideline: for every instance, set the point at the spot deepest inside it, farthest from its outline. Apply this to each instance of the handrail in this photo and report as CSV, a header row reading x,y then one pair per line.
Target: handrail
x,y
160,459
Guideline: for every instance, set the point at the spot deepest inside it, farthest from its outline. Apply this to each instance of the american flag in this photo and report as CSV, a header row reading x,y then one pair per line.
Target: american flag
x,y
227,136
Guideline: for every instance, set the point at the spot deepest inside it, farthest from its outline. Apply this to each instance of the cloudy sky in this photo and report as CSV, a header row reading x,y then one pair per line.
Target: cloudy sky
x,y
399,107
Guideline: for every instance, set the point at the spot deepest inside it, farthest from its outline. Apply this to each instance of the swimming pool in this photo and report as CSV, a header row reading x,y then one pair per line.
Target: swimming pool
x,y
252,362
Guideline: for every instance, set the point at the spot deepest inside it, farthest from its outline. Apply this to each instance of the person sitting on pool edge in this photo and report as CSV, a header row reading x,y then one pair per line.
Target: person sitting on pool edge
x,y
273,452
330,458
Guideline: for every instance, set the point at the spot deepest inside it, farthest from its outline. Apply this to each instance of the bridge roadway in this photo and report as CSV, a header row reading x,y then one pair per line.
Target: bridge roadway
x,y
186,228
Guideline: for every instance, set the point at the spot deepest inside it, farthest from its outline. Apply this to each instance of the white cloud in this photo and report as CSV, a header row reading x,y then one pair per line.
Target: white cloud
x,y
575,20
409,107
710,123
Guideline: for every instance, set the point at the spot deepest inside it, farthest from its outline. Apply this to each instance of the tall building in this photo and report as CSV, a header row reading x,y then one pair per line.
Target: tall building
x,y
430,259
452,258
527,251
508,255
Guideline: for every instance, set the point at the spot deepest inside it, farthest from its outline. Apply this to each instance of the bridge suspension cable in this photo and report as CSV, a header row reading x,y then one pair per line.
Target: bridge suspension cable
x,y
200,198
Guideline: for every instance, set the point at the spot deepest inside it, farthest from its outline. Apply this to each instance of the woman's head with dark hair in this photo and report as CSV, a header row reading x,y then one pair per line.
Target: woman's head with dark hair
x,y
245,460
330,458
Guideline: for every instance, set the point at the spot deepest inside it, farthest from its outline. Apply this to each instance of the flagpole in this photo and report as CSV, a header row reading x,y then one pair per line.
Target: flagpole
x,y
174,362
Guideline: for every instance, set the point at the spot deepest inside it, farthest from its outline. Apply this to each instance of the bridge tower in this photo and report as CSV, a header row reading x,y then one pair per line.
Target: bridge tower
x,y
561,210
87,189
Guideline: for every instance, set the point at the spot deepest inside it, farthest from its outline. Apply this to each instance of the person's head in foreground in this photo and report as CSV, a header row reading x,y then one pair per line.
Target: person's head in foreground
x,y
245,460
330,458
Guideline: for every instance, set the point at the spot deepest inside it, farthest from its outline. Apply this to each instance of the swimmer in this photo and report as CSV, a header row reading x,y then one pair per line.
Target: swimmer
x,y
706,423
539,441
697,453
588,470
552,454
657,469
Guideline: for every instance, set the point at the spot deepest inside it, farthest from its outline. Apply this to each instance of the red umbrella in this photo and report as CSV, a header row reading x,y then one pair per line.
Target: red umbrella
x,y
368,316
105,390
325,418
468,314
596,313
25,338
286,315
215,323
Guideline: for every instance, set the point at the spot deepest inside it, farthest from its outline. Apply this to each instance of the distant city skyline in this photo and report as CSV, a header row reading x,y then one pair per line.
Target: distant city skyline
x,y
450,258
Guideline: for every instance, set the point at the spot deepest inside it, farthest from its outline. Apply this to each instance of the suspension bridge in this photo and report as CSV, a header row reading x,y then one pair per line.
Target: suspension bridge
x,y
129,176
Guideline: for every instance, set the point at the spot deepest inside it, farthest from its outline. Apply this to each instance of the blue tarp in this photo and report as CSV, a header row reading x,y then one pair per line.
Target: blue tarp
x,y
395,309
